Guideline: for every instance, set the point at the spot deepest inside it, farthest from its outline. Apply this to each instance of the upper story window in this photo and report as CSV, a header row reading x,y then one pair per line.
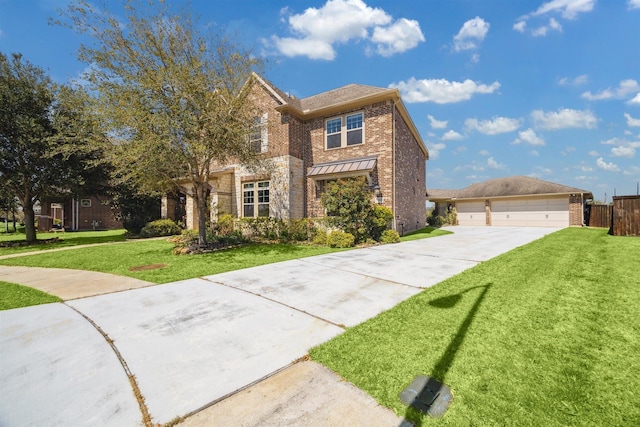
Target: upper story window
x,y
345,130
259,136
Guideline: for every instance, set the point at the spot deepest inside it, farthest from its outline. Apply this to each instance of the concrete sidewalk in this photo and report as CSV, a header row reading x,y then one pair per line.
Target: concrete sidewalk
x,y
69,284
222,349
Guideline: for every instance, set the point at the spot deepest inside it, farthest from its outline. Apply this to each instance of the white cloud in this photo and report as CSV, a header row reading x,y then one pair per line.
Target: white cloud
x,y
313,49
632,171
569,9
441,91
633,4
494,126
542,30
403,35
529,137
434,149
471,34
623,151
593,153
635,100
484,153
452,135
493,164
631,122
624,89
611,167
534,153
475,58
437,124
623,147
316,30
564,118
577,81
520,26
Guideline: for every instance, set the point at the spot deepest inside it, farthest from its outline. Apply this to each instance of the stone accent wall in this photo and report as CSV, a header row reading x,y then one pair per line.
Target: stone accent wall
x,y
410,187
378,134
576,210
192,213
168,208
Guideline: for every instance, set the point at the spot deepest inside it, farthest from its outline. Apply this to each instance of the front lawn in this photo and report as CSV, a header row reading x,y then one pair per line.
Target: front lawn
x,y
71,238
120,258
15,296
423,233
545,335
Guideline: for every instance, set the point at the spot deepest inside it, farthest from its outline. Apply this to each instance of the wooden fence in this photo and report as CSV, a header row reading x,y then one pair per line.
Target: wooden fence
x,y
599,215
626,216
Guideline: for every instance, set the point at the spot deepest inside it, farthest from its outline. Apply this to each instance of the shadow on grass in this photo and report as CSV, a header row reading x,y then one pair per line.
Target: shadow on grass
x,y
441,368
44,240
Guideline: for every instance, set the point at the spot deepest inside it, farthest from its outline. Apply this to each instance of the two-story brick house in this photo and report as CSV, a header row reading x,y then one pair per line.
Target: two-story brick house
x,y
355,130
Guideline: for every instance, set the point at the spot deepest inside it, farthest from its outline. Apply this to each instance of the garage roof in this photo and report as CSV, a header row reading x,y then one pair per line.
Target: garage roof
x,y
505,187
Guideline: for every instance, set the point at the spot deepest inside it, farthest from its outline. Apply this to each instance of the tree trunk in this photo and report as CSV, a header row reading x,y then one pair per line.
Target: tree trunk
x,y
29,221
200,194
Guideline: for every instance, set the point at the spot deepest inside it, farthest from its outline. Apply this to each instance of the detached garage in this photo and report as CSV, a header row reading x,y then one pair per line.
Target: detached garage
x,y
517,201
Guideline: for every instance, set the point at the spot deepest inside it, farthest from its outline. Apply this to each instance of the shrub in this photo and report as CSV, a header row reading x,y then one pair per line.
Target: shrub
x,y
390,236
340,239
224,225
380,221
435,221
349,202
133,225
160,227
184,240
320,237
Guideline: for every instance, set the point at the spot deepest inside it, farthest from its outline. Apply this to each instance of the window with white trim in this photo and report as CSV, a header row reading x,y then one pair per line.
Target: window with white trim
x,y
344,131
255,199
259,136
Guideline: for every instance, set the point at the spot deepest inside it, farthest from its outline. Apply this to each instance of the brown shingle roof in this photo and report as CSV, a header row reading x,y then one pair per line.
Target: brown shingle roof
x,y
504,187
338,96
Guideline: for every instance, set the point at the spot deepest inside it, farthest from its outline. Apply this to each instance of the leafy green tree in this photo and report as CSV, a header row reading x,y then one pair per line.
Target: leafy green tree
x,y
46,139
348,201
177,101
134,207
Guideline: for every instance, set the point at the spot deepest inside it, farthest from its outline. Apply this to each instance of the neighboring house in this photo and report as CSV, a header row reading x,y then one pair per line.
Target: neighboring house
x,y
514,201
355,130
91,213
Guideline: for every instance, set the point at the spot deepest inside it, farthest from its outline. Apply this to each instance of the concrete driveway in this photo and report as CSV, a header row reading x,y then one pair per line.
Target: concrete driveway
x,y
173,350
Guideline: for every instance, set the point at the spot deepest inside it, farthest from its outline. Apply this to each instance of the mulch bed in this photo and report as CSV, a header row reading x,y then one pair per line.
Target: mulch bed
x,y
147,267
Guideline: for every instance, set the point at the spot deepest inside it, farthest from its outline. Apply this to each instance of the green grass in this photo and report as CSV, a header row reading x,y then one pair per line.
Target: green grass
x,y
423,233
118,259
545,335
16,296
74,238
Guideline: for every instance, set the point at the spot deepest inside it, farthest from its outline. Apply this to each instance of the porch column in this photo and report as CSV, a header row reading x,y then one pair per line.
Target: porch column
x,y
192,213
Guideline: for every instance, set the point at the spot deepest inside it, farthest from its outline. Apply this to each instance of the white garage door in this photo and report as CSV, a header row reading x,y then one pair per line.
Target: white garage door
x,y
471,213
553,212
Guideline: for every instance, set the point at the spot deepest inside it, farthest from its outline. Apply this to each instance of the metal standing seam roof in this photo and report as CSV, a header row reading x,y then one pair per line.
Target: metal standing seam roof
x,y
343,166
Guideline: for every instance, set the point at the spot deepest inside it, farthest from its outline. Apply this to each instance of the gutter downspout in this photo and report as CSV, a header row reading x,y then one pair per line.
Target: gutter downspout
x,y
393,165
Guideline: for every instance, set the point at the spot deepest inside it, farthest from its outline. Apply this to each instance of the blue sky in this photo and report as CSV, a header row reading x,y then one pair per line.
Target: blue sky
x,y
549,89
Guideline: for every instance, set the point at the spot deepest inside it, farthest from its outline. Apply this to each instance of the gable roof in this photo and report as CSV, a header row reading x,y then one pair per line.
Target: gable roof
x,y
341,99
345,94
505,187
